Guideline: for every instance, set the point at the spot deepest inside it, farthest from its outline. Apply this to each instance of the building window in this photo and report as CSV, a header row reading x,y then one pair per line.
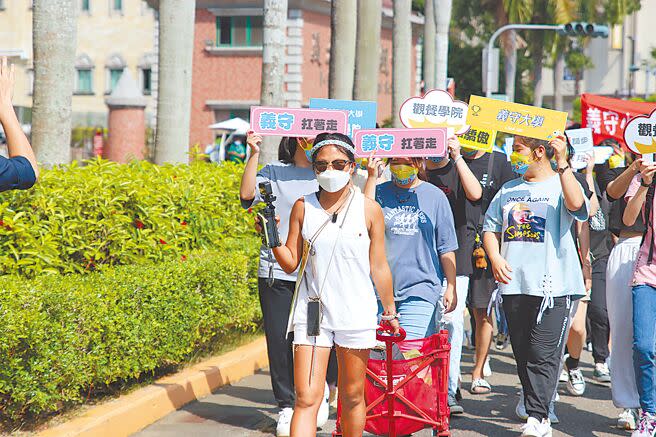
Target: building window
x,y
146,81
114,67
84,82
239,31
114,76
86,6
83,74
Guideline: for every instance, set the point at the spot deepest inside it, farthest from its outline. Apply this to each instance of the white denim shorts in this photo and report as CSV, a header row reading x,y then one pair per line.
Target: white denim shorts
x,y
358,339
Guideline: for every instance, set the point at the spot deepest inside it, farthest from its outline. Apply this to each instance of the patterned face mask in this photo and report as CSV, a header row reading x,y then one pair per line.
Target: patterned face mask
x,y
519,162
467,152
306,145
403,174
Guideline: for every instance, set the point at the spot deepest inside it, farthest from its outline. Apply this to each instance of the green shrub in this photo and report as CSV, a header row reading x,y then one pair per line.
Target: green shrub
x,y
65,337
78,219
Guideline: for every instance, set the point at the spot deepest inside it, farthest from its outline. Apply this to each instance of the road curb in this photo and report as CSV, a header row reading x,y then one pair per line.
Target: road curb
x,y
133,412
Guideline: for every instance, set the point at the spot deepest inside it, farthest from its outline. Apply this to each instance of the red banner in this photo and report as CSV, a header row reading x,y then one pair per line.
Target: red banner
x,y
607,117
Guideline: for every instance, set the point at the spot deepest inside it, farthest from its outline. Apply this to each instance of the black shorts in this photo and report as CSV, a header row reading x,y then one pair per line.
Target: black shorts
x,y
481,287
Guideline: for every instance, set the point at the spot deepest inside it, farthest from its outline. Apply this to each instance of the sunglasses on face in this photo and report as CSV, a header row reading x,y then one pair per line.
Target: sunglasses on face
x,y
338,164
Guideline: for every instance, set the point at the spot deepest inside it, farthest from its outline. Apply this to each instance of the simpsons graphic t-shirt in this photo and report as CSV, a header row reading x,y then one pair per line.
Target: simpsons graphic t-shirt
x,y
536,241
418,229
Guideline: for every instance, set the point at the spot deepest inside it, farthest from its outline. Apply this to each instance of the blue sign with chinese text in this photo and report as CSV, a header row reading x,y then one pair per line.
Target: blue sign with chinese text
x,y
362,114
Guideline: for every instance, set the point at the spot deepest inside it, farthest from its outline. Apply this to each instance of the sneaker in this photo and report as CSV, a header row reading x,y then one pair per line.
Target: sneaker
x,y
332,399
575,382
284,422
535,428
502,342
589,347
646,427
563,376
455,407
324,408
628,419
520,409
601,373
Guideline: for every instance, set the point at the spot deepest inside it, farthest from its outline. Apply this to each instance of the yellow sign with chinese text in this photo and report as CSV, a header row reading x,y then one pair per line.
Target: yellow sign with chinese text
x,y
514,118
478,139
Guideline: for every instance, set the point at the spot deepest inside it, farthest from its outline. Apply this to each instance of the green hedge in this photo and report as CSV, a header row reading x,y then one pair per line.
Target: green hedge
x,y
77,219
64,338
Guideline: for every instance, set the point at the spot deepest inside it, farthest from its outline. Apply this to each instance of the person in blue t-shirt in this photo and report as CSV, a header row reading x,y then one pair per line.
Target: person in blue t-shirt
x,y
20,171
528,241
420,240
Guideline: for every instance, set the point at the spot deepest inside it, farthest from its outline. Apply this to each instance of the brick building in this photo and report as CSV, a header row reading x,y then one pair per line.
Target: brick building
x,y
227,59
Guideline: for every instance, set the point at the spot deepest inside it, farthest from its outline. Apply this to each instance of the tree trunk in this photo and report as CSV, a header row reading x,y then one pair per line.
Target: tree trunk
x,y
272,92
537,53
442,22
343,24
367,59
559,72
401,57
510,64
429,45
577,84
176,44
54,44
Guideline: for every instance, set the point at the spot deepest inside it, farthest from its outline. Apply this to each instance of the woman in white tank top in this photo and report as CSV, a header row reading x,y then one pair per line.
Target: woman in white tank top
x,y
347,233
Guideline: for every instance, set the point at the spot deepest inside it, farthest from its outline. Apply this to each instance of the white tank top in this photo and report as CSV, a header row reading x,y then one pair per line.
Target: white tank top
x,y
348,297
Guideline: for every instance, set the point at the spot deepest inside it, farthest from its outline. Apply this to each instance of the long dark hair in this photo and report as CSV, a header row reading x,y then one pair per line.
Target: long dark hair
x,y
287,150
649,217
337,137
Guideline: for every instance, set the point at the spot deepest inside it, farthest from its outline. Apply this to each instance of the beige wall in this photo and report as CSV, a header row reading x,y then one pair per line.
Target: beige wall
x,y
101,33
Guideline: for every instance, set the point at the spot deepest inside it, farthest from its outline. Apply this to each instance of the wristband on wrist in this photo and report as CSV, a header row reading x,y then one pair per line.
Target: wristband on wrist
x,y
455,161
390,317
642,182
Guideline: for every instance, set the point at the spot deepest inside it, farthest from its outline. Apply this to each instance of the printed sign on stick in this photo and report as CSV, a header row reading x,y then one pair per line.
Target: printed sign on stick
x,y
361,114
435,109
400,142
478,139
581,141
294,122
640,134
515,118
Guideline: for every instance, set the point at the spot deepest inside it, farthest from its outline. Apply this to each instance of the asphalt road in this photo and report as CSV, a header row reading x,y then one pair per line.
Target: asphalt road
x,y
247,409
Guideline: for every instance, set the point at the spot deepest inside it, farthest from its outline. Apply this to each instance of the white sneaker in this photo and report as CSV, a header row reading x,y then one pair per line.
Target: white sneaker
x,y
324,409
628,419
646,427
284,422
575,382
601,373
563,376
520,409
534,428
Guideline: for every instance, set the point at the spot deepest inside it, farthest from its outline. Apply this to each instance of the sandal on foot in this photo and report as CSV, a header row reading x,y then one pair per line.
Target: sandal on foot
x,y
480,387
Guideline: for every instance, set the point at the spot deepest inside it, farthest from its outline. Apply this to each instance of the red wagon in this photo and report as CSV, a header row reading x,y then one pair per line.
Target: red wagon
x,y
416,396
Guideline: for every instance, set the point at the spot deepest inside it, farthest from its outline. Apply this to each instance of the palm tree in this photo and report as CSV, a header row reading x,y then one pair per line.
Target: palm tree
x,y
54,42
428,57
343,23
273,65
401,57
367,59
176,45
442,11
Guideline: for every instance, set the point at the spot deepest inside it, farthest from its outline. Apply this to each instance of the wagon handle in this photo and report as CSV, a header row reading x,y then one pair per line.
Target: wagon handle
x,y
385,333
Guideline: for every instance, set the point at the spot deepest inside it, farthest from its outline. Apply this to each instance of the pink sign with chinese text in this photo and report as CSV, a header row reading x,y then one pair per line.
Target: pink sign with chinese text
x,y
297,122
400,142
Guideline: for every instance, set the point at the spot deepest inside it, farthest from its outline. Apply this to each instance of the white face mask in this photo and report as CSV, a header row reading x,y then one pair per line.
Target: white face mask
x,y
333,180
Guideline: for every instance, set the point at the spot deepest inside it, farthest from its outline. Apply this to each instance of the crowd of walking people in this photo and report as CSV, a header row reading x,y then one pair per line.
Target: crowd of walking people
x,y
559,258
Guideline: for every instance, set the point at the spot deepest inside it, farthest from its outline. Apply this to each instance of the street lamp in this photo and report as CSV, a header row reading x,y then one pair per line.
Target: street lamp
x,y
569,29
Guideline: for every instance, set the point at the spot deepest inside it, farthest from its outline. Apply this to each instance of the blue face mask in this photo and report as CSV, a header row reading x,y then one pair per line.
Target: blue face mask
x,y
437,159
466,153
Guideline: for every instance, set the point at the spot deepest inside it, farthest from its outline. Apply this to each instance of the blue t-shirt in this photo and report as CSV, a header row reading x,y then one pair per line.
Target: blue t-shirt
x,y
16,173
418,229
536,240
